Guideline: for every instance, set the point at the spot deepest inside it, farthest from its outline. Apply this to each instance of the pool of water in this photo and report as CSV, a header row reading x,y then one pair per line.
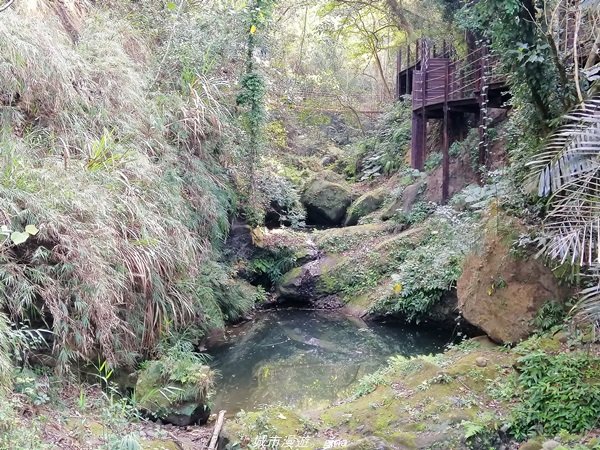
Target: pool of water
x,y
308,358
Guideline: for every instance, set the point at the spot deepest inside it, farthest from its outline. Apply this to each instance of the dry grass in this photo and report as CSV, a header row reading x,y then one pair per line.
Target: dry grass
x,y
114,174
5,362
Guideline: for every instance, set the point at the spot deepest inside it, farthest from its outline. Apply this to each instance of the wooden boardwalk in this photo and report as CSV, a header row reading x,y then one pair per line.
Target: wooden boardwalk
x,y
451,88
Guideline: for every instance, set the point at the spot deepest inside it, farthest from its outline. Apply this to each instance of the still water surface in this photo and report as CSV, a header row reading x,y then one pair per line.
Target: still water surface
x,y
308,359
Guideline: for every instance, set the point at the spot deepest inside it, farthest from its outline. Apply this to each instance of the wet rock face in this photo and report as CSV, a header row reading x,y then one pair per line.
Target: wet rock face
x,y
326,200
501,293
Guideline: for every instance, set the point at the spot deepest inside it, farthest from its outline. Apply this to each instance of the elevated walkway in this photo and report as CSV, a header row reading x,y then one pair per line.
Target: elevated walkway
x,y
445,86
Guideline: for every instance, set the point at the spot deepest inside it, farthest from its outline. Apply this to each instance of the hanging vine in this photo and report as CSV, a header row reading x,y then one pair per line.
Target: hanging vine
x,y
252,85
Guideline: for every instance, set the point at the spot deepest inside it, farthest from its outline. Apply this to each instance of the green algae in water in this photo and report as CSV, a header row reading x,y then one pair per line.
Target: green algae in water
x,y
308,359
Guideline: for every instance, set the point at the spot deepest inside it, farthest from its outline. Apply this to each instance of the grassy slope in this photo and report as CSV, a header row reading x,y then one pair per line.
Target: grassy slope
x,y
107,151
114,135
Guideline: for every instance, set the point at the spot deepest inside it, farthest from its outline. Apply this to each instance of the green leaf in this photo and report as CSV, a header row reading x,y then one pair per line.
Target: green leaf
x,y
31,229
18,237
171,6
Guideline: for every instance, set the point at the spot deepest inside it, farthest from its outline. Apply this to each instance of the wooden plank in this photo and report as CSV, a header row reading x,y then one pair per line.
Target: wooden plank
x,y
215,436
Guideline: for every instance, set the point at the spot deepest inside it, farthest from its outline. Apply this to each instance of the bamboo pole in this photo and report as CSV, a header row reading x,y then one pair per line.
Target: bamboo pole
x,y
215,436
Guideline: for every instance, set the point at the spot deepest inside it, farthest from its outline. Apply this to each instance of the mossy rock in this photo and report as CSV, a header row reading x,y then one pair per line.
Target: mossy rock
x,y
340,240
160,395
422,402
534,444
159,444
364,205
273,421
501,293
326,202
305,283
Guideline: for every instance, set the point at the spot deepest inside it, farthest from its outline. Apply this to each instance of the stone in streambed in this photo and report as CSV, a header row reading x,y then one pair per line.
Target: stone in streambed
x,y
302,283
481,362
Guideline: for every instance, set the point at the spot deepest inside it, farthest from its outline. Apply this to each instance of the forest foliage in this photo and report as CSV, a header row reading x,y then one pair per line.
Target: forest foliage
x,y
132,133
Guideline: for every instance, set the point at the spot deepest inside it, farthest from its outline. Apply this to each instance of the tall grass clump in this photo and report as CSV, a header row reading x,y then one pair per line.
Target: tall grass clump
x,y
119,165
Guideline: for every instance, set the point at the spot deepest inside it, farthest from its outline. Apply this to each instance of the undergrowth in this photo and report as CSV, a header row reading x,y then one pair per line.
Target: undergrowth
x,y
384,149
556,393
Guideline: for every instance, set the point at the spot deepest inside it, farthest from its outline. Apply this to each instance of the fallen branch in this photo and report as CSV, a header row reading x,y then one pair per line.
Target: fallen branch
x,y
217,431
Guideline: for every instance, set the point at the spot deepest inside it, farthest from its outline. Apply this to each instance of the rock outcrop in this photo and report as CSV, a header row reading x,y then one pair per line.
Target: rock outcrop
x,y
364,205
326,199
404,203
501,293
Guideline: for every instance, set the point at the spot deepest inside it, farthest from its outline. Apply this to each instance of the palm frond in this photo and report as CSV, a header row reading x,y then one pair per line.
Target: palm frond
x,y
587,309
567,172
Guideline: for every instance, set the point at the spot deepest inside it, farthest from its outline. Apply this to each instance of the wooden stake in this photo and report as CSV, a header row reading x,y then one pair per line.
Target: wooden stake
x,y
217,431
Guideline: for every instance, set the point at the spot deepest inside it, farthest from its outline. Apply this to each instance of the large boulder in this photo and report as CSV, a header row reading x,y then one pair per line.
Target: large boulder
x,y
326,199
500,292
162,394
364,205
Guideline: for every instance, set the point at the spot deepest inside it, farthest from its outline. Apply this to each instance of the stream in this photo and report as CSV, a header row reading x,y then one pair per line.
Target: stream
x,y
308,359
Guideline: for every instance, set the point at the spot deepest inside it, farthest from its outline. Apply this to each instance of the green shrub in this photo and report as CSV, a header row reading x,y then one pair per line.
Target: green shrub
x,y
276,196
383,150
433,161
424,274
557,392
551,314
179,377
115,158
419,212
269,265
6,344
15,431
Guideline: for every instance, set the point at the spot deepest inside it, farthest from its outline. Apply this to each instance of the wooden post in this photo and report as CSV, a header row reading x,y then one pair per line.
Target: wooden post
x,y
215,436
424,64
446,140
416,138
